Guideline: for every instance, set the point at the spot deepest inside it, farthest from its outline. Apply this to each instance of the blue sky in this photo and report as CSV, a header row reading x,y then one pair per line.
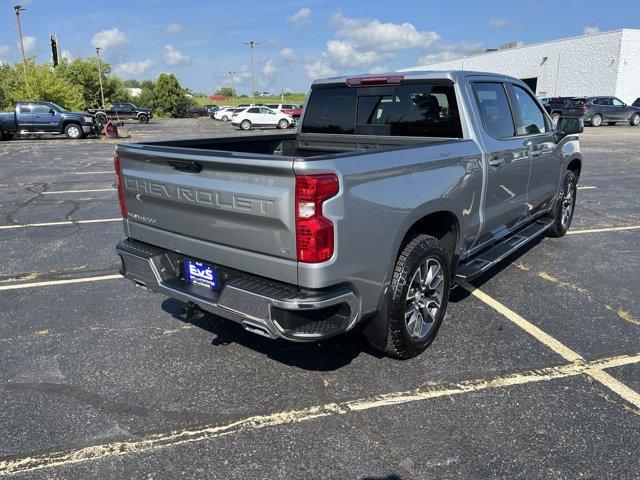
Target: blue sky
x,y
200,41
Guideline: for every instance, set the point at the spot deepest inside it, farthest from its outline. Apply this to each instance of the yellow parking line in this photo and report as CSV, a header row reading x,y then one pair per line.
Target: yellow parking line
x,y
171,439
68,281
65,222
80,191
601,230
607,380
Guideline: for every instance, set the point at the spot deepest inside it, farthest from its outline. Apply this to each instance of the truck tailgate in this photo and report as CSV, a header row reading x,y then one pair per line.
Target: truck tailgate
x,y
230,209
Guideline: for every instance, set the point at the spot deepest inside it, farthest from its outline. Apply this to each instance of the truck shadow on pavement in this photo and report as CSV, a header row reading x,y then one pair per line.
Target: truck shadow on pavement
x,y
320,356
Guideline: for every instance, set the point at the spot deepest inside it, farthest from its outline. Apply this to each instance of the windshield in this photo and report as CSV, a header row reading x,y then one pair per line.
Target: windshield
x,y
57,107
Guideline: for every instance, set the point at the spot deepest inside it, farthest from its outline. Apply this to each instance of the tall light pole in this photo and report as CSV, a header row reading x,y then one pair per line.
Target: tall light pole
x,y
251,46
18,9
233,90
100,76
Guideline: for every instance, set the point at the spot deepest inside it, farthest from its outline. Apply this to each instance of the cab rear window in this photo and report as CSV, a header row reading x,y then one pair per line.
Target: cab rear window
x,y
406,110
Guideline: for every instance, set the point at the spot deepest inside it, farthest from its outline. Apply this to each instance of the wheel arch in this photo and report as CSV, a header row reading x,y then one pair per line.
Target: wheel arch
x,y
575,165
69,121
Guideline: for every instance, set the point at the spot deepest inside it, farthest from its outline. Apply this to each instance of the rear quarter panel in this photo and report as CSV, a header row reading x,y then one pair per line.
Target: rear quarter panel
x,y
381,196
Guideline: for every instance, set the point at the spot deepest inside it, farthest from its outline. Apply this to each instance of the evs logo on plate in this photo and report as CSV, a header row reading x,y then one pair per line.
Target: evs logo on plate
x,y
201,274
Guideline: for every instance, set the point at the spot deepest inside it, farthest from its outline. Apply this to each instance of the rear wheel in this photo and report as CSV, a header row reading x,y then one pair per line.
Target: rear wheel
x,y
245,125
195,115
225,118
420,292
73,131
596,120
143,118
283,124
101,118
634,121
565,206
555,116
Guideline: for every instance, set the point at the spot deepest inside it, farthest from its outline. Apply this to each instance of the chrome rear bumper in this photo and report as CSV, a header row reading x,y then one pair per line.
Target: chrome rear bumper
x,y
265,307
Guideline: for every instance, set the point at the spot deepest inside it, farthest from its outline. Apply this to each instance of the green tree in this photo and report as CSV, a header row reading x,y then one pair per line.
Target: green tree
x,y
169,99
43,83
147,95
84,74
226,91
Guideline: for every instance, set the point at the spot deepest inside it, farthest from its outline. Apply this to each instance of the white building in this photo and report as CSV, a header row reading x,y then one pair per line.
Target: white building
x,y
606,63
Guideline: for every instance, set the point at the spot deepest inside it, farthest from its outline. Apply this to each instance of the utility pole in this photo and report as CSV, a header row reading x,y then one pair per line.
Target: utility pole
x,y
251,46
233,90
18,9
100,76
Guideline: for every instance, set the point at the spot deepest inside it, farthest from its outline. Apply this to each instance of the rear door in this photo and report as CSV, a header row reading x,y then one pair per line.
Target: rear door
x,y
535,129
268,116
24,117
507,161
226,208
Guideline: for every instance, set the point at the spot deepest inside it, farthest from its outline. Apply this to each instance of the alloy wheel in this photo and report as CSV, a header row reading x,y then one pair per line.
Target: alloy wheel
x,y
424,298
568,202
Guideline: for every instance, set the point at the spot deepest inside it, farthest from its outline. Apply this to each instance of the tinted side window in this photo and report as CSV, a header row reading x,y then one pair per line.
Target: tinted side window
x,y
253,110
41,108
24,109
331,110
530,113
494,109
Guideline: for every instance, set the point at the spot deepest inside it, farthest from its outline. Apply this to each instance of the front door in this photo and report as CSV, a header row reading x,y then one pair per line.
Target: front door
x,y
45,118
507,162
535,129
620,112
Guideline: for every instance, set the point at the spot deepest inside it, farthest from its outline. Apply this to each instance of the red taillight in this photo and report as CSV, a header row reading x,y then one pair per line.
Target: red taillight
x,y
380,80
314,232
118,168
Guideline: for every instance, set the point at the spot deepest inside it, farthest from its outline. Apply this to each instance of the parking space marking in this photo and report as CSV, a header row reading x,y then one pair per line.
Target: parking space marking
x,y
80,191
68,281
608,381
177,437
55,224
601,230
95,173
587,187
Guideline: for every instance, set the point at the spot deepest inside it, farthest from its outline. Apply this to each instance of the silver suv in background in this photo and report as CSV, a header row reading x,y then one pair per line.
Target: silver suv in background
x,y
393,188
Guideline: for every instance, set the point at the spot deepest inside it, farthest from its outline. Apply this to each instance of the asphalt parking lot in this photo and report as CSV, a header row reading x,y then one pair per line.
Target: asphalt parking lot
x,y
535,372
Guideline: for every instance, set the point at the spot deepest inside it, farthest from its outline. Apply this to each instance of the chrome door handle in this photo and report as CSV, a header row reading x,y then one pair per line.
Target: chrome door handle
x,y
496,162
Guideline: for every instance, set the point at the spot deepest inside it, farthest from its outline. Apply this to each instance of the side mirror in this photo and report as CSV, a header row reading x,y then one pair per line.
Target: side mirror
x,y
569,126
52,111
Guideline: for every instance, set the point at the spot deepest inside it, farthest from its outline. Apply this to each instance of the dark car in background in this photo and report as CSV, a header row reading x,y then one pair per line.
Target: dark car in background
x,y
554,106
122,111
597,110
196,111
637,102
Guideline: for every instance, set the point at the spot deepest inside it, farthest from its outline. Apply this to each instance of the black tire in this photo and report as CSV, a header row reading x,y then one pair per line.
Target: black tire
x,y
224,118
195,115
73,131
283,124
596,120
566,199
634,121
421,250
101,118
245,125
143,118
555,116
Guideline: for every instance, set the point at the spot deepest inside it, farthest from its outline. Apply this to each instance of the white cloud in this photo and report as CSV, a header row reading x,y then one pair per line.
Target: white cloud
x,y
270,68
443,52
371,34
288,54
319,69
590,30
110,39
133,68
272,41
174,29
173,57
30,44
344,54
301,18
498,22
4,50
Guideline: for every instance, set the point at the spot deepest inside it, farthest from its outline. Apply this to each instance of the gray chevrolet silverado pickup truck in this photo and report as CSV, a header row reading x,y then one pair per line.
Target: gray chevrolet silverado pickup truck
x,y
394,188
